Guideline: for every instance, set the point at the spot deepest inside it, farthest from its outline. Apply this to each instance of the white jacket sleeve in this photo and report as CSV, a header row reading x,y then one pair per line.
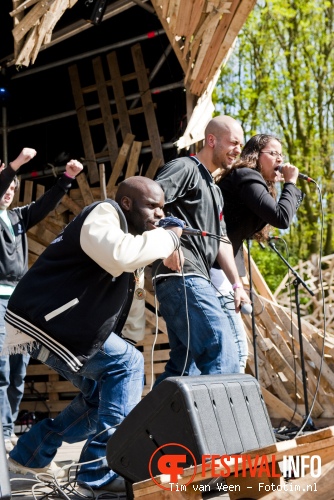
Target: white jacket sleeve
x,y
102,239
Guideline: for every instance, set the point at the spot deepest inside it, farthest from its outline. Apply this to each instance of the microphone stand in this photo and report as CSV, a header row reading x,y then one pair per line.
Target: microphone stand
x,y
253,314
296,282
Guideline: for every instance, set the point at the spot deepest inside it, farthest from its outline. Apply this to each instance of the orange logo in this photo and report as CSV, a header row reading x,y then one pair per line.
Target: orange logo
x,y
172,464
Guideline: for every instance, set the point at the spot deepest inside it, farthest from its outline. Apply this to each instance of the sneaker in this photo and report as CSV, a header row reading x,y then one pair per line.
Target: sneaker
x,y
14,439
51,470
8,445
116,486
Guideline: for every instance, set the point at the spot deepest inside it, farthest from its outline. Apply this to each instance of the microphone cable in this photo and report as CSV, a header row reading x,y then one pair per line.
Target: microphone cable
x,y
156,323
322,355
292,337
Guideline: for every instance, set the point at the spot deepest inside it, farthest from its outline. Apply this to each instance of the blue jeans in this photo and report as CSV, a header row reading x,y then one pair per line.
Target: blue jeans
x,y
111,384
12,372
237,328
198,328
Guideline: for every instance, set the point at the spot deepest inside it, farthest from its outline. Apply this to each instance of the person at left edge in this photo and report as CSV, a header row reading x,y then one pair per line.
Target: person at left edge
x,y
71,307
14,224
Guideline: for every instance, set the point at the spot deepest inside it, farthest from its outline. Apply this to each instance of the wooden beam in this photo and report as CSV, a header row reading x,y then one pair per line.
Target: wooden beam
x,y
146,98
107,118
117,84
118,167
31,19
83,125
133,159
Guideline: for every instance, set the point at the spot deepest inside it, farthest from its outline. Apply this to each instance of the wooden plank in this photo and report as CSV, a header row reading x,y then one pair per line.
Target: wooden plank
x,y
17,17
118,167
52,385
195,18
281,408
155,163
47,24
146,98
117,84
103,186
108,121
38,369
184,18
83,125
150,489
71,205
31,19
21,7
222,42
35,247
27,196
84,187
276,382
40,190
53,407
41,234
244,8
173,14
133,159
202,41
258,281
309,350
279,364
176,47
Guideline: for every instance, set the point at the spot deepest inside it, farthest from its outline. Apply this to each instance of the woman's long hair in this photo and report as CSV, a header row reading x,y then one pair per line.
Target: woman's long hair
x,y
250,157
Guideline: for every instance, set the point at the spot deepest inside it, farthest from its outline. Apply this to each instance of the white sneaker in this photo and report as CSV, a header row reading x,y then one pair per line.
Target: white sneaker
x,y
51,470
8,445
14,439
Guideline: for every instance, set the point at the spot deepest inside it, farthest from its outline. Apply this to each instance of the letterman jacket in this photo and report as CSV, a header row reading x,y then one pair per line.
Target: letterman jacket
x,y
14,251
81,287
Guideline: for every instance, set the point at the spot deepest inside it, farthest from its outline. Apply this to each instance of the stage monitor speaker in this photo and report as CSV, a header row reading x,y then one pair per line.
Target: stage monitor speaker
x,y
5,492
208,414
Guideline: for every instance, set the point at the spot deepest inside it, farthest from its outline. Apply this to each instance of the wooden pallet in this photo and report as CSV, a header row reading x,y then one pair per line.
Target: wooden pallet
x,y
112,117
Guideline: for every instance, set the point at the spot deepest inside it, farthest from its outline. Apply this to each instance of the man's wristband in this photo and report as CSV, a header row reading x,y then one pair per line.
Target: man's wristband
x,y
236,285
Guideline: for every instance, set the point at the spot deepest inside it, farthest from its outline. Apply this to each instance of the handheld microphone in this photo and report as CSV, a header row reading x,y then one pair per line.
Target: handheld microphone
x,y
300,176
246,308
193,232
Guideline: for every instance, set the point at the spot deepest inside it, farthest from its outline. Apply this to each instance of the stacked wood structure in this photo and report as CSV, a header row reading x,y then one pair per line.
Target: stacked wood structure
x,y
201,32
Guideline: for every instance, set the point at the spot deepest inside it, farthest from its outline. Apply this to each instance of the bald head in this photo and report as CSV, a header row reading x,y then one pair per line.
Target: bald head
x,y
220,125
224,138
141,200
137,186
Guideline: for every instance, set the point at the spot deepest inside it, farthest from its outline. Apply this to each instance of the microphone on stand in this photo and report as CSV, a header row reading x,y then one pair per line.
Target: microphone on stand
x,y
300,176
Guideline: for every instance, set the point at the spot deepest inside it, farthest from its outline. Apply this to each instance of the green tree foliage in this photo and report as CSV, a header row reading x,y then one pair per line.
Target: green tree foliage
x,y
280,80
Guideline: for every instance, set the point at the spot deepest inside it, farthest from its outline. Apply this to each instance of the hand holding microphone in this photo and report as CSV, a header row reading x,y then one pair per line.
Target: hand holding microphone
x,y
291,173
171,221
